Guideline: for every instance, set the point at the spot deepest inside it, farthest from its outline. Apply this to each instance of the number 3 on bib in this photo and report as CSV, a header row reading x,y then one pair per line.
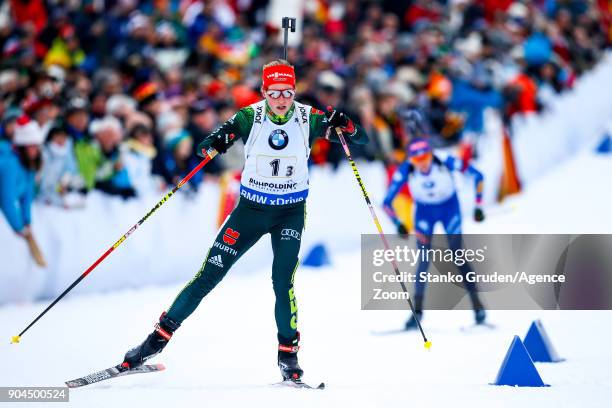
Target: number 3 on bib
x,y
278,167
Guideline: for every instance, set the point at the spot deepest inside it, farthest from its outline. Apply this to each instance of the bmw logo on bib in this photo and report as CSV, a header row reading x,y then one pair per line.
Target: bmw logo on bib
x,y
279,139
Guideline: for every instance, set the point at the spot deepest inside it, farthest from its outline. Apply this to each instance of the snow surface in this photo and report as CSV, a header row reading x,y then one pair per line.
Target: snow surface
x,y
224,355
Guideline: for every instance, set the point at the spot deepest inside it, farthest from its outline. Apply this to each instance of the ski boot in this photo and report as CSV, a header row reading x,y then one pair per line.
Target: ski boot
x,y
480,314
411,323
153,344
287,358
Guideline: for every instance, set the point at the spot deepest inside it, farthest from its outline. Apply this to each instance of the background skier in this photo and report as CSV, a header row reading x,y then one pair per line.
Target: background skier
x,y
432,187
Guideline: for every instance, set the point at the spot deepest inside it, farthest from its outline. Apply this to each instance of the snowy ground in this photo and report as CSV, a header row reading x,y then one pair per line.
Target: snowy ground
x,y
224,355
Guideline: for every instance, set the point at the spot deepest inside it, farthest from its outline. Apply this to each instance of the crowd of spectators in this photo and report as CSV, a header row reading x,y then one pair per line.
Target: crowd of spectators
x,y
114,94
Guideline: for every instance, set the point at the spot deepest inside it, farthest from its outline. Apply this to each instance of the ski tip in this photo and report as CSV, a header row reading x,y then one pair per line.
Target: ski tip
x,y
75,383
15,339
160,366
298,384
427,345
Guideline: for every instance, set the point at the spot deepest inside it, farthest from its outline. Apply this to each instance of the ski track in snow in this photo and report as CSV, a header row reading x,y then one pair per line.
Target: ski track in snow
x,y
225,354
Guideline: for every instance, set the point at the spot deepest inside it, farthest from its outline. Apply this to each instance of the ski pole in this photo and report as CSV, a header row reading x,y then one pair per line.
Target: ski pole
x,y
380,230
210,154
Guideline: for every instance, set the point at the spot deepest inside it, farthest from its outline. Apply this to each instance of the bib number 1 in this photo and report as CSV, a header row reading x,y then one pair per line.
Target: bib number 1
x,y
270,166
275,164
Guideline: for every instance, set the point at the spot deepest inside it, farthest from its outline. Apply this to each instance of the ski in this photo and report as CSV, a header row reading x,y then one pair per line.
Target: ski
x,y
298,384
116,371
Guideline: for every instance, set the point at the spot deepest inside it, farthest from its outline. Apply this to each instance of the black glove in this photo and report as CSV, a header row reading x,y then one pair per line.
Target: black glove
x,y
478,215
402,231
220,142
340,120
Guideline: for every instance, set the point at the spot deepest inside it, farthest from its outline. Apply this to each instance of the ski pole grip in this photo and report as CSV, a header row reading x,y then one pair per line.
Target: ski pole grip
x,y
210,153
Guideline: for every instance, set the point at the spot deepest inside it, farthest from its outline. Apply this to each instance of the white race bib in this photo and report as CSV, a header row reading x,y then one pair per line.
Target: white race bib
x,y
276,158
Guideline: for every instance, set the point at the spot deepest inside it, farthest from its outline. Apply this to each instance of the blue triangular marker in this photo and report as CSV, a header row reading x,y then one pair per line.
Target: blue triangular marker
x,y
605,146
539,346
317,257
517,369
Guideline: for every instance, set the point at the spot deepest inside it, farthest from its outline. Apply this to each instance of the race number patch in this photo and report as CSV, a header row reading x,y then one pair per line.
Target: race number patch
x,y
275,166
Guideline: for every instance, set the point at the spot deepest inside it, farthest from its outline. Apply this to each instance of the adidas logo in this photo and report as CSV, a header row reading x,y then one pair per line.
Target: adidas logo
x,y
216,260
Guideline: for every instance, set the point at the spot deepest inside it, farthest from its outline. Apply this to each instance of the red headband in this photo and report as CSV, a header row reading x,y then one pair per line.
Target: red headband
x,y
278,74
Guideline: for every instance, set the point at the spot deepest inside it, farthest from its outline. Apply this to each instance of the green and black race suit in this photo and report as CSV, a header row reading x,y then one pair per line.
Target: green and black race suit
x,y
274,187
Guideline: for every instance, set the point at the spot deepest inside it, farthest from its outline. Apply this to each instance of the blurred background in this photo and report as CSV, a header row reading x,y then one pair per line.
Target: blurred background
x,y
102,104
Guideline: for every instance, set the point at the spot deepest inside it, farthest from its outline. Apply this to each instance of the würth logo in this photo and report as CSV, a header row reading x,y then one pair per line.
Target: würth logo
x,y
216,260
225,248
230,236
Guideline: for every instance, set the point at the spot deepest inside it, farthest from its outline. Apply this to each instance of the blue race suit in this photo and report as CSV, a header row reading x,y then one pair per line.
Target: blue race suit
x,y
435,198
